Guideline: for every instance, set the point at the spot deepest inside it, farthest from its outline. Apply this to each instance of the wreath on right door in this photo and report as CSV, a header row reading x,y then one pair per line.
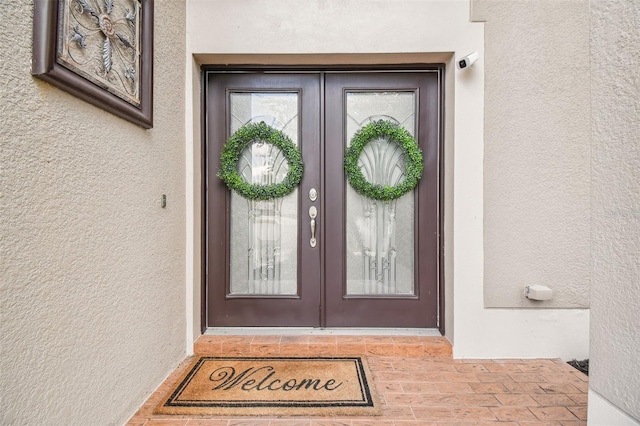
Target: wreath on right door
x,y
383,129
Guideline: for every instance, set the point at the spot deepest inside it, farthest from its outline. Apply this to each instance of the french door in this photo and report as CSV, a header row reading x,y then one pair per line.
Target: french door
x,y
323,255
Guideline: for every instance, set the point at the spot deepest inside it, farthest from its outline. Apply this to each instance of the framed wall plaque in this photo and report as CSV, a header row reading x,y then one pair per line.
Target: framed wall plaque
x,y
98,50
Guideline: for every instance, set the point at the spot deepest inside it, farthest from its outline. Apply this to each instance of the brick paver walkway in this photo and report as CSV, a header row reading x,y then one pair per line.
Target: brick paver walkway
x,y
413,388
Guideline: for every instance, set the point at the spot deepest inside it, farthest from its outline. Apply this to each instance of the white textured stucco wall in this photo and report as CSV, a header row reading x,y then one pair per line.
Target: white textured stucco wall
x,y
536,174
615,218
92,268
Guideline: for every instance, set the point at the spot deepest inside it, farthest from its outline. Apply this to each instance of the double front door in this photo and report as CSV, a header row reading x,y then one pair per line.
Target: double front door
x,y
324,255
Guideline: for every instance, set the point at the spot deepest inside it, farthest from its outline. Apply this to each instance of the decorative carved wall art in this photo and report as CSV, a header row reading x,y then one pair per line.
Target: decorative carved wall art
x,y
100,51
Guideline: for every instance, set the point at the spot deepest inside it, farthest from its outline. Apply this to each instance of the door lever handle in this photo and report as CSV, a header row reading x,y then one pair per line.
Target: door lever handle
x,y
313,213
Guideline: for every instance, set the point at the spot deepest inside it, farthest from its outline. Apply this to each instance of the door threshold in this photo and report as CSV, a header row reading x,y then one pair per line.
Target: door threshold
x,y
304,331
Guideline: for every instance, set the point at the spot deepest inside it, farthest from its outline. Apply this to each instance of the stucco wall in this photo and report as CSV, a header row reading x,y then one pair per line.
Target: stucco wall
x,y
615,218
536,173
93,270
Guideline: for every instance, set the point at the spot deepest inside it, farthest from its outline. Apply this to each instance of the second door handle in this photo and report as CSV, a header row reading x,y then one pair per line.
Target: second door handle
x,y
313,213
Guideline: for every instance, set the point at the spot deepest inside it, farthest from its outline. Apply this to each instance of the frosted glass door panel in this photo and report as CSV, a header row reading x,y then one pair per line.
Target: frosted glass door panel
x,y
380,234
264,234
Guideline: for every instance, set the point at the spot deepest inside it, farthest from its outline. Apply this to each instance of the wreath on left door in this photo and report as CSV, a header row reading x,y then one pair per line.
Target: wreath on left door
x,y
243,137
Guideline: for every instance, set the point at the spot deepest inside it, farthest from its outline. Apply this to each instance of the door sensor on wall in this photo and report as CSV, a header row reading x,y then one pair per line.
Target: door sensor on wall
x,y
538,292
467,61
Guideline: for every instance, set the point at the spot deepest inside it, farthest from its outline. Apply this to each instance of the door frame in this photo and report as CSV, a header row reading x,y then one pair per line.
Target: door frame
x,y
437,67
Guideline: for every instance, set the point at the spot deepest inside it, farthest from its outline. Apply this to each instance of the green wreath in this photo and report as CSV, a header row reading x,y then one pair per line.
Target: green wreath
x,y
393,133
232,150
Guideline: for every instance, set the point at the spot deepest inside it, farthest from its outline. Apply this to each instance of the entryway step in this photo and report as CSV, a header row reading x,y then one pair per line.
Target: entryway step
x,y
320,345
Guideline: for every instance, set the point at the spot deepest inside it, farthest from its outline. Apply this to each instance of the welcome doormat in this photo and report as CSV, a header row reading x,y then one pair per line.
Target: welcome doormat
x,y
273,386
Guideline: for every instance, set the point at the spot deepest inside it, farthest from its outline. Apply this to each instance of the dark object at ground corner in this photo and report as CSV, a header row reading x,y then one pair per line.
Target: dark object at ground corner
x,y
580,365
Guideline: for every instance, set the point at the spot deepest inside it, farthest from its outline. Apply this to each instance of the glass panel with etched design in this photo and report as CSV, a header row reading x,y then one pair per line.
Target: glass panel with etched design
x,y
264,237
380,234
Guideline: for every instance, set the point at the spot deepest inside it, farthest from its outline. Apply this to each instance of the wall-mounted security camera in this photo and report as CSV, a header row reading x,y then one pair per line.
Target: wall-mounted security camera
x,y
467,61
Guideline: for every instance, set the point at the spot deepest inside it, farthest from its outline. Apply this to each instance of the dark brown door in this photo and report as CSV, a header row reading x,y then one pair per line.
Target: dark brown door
x,y
373,263
261,269
383,267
